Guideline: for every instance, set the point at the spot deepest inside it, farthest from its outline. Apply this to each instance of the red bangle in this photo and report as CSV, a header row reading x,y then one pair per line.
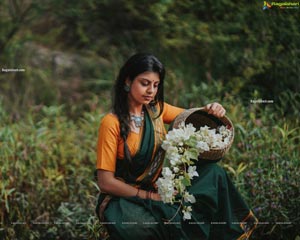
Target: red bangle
x,y
137,193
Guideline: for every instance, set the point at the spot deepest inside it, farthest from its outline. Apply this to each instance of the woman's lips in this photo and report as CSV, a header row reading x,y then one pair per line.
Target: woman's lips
x,y
148,98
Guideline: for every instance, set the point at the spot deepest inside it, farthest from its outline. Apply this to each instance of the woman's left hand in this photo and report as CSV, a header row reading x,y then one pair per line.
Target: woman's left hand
x,y
215,109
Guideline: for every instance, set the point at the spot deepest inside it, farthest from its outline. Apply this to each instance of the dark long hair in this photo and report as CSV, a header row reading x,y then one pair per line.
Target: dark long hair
x,y
135,65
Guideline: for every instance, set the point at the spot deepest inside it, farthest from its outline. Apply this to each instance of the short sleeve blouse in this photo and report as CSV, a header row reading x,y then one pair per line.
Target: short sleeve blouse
x,y
110,145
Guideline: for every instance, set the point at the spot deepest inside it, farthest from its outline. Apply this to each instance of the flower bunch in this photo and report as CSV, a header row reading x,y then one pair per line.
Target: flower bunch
x,y
183,146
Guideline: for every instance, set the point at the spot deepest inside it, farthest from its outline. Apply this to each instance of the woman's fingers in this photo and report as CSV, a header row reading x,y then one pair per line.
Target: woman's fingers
x,y
207,107
215,109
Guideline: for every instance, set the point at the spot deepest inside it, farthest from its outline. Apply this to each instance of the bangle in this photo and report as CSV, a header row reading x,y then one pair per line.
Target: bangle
x,y
137,193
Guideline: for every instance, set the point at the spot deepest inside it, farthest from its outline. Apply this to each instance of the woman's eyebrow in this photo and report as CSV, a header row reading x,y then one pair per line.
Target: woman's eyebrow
x,y
150,80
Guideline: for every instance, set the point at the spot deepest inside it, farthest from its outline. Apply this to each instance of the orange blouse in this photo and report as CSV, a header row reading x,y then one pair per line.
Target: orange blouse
x,y
110,145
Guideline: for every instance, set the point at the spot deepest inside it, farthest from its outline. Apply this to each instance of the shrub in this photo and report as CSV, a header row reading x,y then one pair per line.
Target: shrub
x,y
47,186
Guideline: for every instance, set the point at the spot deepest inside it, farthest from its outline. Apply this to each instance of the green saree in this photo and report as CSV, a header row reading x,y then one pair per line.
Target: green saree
x,y
219,212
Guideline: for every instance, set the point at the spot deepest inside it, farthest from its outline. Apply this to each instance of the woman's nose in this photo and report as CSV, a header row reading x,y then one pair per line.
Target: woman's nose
x,y
150,89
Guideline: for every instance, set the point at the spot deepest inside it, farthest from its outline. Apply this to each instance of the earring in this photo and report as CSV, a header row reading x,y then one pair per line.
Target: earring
x,y
126,88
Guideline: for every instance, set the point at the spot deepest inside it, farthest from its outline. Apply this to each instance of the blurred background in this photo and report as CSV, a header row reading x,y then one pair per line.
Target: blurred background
x,y
59,61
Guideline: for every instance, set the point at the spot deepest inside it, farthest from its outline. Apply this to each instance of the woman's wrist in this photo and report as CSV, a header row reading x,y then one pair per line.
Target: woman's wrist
x,y
137,193
141,194
147,195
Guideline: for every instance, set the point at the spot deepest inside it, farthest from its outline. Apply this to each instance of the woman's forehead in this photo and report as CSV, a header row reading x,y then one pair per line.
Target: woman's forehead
x,y
150,76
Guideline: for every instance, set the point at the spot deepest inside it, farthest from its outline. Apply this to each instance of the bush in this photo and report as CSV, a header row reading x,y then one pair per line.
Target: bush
x,y
264,163
47,185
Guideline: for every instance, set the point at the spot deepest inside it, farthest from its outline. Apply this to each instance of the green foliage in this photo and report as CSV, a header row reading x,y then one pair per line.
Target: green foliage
x,y
236,44
47,186
264,163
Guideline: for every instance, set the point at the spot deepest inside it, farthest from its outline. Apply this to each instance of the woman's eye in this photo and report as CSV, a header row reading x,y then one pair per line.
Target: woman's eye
x,y
145,83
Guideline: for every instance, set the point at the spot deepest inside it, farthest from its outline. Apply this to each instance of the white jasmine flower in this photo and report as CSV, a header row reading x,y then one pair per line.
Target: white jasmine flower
x,y
189,130
172,149
202,146
226,140
187,213
189,197
192,172
204,130
166,189
167,173
176,135
166,145
222,129
174,158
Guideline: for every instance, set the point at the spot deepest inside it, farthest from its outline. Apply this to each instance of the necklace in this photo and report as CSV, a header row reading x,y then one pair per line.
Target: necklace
x,y
138,120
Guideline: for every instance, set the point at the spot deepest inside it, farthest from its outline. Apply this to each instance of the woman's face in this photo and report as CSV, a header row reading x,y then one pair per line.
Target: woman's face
x,y
143,88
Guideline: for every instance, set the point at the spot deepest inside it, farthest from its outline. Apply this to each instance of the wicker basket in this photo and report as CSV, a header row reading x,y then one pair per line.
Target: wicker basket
x,y
199,118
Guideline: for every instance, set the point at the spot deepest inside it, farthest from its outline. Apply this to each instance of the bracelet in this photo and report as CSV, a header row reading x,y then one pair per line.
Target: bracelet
x,y
137,193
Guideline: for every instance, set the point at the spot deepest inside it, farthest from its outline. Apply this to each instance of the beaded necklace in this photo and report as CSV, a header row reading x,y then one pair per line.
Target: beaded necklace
x,y
138,120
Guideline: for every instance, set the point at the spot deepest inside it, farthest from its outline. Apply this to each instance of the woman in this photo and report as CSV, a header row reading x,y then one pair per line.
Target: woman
x,y
129,161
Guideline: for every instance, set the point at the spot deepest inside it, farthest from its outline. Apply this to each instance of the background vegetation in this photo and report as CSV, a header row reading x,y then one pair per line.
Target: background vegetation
x,y
227,51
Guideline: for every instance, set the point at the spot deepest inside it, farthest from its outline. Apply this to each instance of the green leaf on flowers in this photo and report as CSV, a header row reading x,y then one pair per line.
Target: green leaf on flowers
x,y
191,153
191,142
186,181
166,163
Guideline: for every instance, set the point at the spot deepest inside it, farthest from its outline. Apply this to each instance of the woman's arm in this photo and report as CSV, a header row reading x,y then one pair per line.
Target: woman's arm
x,y
170,112
109,184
